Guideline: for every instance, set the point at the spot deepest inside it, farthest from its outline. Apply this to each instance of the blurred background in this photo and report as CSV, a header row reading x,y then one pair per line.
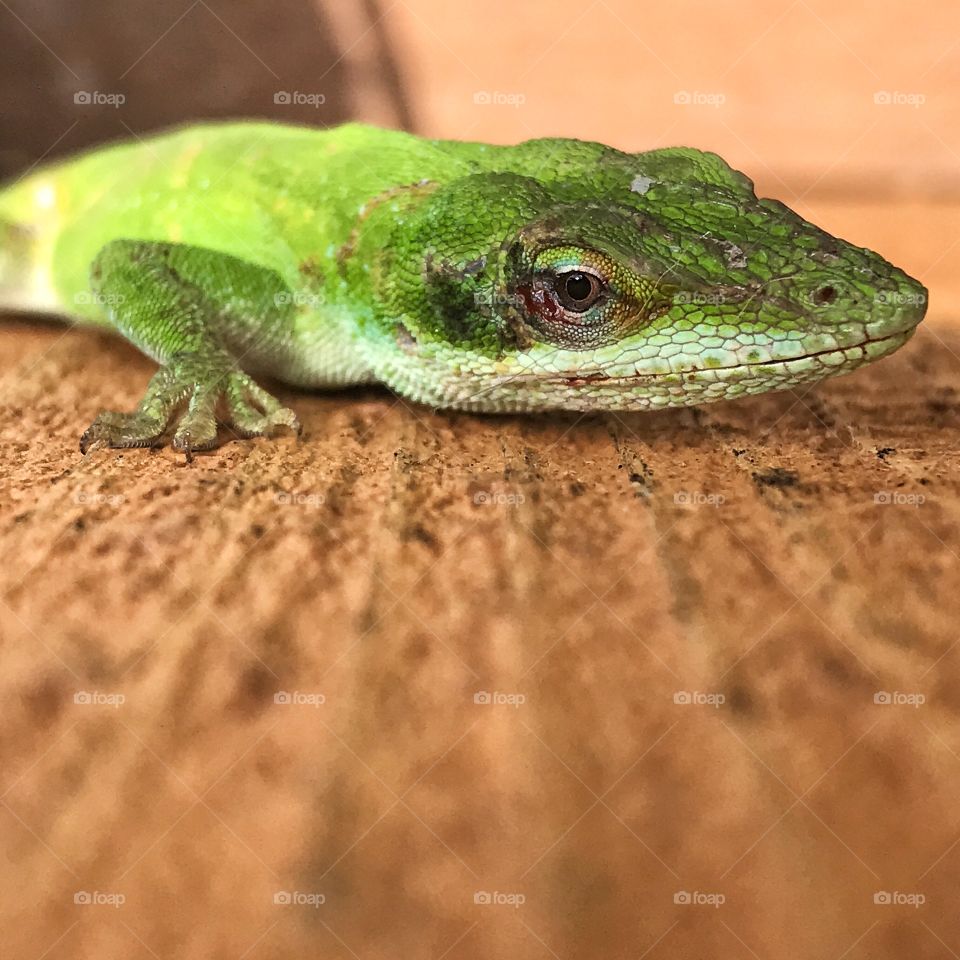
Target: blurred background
x,y
845,113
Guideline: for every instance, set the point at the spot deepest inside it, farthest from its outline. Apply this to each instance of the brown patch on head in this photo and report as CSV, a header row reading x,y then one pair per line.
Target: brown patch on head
x,y
346,249
405,339
309,269
516,332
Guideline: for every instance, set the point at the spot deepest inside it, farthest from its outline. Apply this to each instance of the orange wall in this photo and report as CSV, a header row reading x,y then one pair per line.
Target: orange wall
x,y
797,80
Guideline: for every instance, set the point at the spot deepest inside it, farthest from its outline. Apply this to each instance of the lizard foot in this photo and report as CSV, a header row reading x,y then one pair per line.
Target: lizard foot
x,y
196,394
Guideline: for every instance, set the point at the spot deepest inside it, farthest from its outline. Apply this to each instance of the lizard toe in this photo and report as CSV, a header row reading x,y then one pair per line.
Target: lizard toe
x,y
253,412
111,429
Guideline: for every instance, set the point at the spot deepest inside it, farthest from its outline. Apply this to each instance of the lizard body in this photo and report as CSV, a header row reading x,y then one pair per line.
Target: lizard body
x,y
554,274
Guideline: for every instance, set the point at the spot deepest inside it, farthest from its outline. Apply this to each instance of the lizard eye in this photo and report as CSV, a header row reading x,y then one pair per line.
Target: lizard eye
x,y
578,290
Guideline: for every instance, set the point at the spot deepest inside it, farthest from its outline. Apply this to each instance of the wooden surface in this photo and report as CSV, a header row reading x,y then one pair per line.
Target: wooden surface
x,y
397,562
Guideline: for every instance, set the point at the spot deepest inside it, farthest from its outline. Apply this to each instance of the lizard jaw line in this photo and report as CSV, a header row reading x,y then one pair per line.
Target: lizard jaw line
x,y
895,340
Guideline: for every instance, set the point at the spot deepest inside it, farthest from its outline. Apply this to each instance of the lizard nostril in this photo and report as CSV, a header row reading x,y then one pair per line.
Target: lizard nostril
x,y
825,295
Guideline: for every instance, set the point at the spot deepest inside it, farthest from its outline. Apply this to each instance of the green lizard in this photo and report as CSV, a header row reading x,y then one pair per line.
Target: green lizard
x,y
555,274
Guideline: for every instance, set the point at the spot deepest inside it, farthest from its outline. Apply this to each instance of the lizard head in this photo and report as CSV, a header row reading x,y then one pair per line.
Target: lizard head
x,y
655,280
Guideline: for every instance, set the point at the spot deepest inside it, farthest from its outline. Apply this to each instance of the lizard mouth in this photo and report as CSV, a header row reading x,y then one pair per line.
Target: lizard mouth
x,y
835,360
597,390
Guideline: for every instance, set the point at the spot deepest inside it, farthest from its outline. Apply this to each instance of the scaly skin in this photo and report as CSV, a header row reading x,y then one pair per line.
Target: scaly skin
x,y
555,274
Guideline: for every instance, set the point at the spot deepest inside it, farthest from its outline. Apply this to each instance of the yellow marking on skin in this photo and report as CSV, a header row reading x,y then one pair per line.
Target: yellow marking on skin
x,y
183,164
33,289
279,204
174,233
45,196
308,213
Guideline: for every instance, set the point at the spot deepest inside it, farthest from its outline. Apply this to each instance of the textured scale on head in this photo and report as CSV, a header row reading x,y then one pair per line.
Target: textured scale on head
x,y
565,274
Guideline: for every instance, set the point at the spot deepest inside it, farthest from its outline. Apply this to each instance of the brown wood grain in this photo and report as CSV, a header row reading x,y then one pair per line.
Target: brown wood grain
x,y
398,562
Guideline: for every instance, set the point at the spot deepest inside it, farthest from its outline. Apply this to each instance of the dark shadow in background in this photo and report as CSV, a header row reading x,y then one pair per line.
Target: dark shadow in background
x,y
174,61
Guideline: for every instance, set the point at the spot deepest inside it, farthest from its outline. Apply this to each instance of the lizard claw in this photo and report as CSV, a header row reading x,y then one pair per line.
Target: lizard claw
x,y
111,429
190,392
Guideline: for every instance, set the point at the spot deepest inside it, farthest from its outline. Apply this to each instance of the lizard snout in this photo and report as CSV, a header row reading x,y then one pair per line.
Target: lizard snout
x,y
883,301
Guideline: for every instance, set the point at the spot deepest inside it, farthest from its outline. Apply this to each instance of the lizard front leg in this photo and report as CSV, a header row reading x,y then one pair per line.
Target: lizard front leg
x,y
202,315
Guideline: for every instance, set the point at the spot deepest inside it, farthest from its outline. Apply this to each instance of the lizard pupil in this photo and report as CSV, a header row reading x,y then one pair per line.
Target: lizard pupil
x,y
576,290
579,286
